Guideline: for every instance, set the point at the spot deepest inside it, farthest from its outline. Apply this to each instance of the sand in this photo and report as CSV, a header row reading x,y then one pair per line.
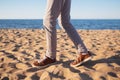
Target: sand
x,y
20,47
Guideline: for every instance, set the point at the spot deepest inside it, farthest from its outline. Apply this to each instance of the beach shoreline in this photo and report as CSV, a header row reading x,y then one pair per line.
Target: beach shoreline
x,y
20,47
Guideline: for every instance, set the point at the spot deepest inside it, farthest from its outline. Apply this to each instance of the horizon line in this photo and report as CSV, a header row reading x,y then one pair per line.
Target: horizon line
x,y
71,18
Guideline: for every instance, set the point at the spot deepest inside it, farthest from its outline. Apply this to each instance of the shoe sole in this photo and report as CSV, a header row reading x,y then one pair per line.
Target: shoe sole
x,y
41,67
89,58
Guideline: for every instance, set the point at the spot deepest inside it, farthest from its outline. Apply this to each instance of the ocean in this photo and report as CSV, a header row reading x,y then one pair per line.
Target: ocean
x,y
93,24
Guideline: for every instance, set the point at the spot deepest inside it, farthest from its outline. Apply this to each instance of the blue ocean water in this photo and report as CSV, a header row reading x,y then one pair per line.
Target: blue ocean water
x,y
101,24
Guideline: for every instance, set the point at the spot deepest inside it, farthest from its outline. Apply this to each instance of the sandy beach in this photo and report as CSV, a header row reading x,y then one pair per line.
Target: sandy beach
x,y
20,47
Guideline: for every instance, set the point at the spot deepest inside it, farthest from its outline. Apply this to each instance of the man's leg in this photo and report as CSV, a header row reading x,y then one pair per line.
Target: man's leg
x,y
49,22
64,22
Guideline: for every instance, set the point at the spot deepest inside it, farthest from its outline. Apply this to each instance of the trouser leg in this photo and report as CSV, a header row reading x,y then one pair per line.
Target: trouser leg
x,y
64,22
49,22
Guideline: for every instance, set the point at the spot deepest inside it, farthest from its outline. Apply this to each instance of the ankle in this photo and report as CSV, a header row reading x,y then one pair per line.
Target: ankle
x,y
49,57
85,53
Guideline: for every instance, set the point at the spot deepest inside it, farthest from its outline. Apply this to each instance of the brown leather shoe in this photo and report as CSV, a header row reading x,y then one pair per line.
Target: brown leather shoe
x,y
46,61
81,59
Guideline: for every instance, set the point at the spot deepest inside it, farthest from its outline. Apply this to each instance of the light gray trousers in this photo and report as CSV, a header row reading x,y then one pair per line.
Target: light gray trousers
x,y
60,9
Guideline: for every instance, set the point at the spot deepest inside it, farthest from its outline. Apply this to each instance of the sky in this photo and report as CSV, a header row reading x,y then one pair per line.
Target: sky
x,y
80,9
